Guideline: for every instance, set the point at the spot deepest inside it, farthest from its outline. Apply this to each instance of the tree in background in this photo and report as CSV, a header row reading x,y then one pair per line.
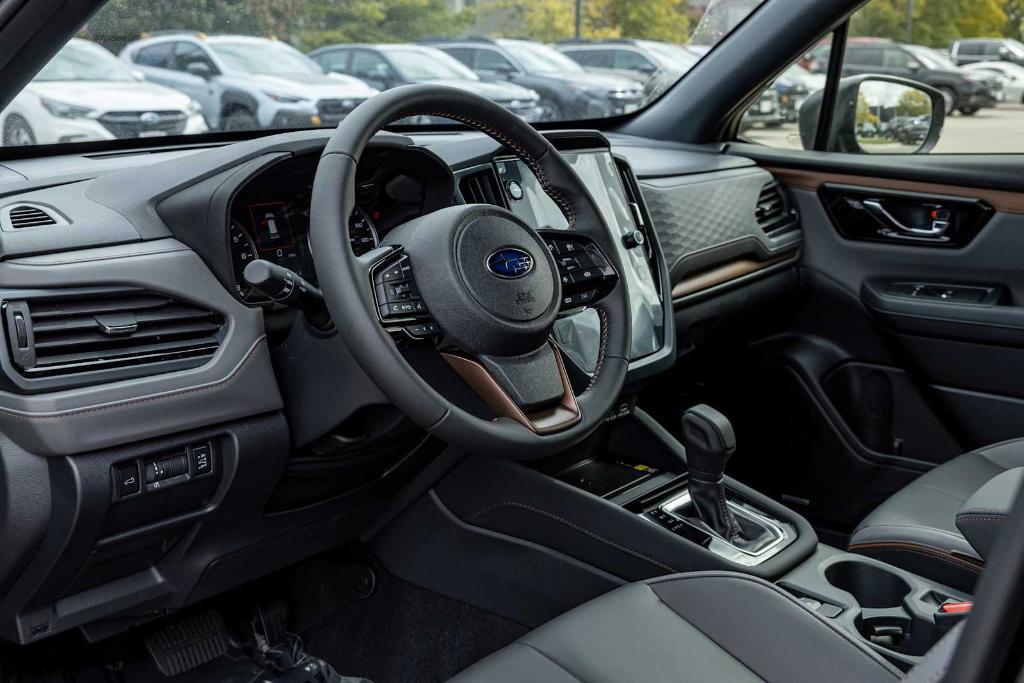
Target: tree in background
x,y
549,21
914,103
935,22
1014,10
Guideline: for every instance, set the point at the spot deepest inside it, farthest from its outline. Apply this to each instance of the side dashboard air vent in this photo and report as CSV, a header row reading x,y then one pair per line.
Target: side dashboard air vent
x,y
633,198
21,216
66,334
481,187
774,213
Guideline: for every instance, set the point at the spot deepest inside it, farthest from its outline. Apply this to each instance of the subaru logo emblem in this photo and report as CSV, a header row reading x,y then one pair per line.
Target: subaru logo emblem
x,y
509,262
149,118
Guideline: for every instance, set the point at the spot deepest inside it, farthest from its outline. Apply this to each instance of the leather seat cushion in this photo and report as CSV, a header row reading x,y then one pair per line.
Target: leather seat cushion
x,y
916,528
706,626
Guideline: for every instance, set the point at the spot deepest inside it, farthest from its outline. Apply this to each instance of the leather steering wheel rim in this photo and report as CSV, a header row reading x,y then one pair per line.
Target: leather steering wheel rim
x,y
347,287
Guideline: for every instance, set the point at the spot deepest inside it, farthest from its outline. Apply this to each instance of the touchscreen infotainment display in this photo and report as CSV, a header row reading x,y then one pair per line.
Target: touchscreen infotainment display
x,y
599,172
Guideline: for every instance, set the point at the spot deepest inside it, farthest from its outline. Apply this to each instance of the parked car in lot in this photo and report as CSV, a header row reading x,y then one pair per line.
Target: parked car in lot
x,y
909,130
974,50
244,83
388,66
656,64
765,111
567,91
964,92
794,86
1011,75
85,93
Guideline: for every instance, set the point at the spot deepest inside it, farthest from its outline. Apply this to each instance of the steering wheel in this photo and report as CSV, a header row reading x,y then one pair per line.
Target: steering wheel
x,y
486,278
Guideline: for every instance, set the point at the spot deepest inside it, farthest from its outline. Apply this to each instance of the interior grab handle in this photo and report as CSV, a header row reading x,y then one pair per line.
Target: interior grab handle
x,y
883,216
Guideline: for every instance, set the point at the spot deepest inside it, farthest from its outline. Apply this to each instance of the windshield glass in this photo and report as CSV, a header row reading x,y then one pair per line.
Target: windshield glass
x,y
81,61
538,58
428,65
199,67
265,58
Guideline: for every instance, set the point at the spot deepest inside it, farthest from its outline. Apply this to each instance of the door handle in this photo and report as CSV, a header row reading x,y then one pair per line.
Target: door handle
x,y
883,216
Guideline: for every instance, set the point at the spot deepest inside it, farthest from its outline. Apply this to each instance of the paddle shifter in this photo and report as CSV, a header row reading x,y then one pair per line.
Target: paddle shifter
x,y
710,441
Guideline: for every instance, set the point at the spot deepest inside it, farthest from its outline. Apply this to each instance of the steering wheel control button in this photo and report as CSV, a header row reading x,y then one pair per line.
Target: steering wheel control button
x,y
583,270
127,482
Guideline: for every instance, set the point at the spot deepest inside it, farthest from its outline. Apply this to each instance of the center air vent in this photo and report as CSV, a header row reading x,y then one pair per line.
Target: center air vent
x,y
481,187
90,331
20,216
774,214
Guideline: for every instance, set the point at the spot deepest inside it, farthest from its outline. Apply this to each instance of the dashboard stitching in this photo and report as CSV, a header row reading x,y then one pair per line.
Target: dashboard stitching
x,y
529,160
149,399
601,348
572,525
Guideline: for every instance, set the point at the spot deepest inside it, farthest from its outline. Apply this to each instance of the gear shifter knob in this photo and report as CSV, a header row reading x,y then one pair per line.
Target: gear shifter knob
x,y
710,442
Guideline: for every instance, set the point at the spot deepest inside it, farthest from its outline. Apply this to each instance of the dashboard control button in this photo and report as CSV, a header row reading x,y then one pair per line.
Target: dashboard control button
x,y
201,458
633,239
515,190
126,476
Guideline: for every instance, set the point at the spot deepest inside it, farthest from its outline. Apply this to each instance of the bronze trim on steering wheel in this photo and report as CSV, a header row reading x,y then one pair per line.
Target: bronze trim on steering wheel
x,y
546,421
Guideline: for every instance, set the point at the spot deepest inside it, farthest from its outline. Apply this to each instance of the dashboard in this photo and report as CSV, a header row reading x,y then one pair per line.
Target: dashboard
x,y
269,214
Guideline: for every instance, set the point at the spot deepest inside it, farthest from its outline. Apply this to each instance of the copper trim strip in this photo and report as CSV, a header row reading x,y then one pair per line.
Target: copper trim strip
x,y
547,421
1000,200
722,274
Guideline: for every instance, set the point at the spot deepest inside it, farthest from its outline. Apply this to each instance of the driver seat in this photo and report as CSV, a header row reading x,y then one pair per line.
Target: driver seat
x,y
705,626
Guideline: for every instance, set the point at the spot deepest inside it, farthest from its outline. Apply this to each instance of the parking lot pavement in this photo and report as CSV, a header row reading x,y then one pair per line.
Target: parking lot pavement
x,y
990,131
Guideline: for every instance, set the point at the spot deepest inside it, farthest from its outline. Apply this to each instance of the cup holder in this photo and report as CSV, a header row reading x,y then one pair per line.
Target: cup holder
x,y
884,618
871,586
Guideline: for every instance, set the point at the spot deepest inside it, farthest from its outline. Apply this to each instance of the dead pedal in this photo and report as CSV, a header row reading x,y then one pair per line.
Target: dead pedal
x,y
188,643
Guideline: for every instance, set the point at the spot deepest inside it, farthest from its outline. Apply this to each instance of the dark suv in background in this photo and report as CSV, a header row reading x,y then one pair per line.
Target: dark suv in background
x,y
987,50
389,66
567,90
964,92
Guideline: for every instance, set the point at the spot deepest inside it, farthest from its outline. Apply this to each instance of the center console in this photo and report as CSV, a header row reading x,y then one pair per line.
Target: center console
x,y
632,503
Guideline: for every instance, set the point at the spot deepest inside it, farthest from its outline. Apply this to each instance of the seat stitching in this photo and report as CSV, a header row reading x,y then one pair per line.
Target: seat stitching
x,y
789,600
951,534
582,530
975,517
896,546
548,658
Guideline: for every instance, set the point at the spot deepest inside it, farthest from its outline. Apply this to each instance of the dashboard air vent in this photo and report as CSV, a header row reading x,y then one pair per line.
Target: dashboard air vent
x,y
774,214
85,331
481,187
20,216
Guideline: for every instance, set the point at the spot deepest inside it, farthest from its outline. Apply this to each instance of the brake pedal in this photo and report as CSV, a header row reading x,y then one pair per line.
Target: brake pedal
x,y
188,643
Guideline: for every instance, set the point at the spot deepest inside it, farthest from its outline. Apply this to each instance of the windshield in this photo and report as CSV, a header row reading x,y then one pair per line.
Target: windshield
x,y
211,67
80,61
538,58
265,58
428,65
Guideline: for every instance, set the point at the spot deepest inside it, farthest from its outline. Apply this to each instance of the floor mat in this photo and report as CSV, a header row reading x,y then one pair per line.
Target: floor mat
x,y
404,633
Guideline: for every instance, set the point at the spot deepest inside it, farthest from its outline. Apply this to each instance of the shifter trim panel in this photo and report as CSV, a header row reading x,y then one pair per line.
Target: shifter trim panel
x,y
783,534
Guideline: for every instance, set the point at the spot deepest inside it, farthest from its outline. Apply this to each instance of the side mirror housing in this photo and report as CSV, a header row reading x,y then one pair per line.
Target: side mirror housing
x,y
200,69
878,115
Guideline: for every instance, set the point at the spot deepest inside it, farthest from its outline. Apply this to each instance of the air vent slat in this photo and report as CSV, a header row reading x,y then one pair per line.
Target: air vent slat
x,y
481,187
28,216
773,212
105,329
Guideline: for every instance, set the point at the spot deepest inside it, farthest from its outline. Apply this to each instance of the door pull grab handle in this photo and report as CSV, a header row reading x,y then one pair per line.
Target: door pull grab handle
x,y
882,215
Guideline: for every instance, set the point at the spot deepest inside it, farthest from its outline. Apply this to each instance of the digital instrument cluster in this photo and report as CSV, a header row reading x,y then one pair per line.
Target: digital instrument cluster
x,y
269,216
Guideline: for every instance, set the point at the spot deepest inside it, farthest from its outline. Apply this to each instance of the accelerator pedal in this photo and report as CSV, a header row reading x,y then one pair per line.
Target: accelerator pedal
x,y
187,643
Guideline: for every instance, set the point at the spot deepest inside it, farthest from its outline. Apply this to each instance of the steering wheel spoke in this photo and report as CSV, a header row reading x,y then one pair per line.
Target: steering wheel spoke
x,y
587,275
533,389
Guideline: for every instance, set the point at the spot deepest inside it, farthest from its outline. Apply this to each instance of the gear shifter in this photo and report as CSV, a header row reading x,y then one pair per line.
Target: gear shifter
x,y
710,441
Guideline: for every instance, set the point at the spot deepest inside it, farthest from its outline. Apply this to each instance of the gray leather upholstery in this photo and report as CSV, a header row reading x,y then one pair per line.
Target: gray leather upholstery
x,y
706,626
916,528
983,515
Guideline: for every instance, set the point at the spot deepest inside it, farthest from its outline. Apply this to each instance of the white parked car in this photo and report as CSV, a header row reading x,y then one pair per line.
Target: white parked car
x,y
1012,76
86,93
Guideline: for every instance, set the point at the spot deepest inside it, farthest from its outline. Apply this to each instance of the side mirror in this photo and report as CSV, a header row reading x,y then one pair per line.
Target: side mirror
x,y
138,75
878,115
200,69
914,65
